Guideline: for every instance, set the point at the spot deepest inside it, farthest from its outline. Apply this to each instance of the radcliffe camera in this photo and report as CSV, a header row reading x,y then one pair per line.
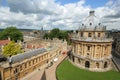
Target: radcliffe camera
x,y
59,40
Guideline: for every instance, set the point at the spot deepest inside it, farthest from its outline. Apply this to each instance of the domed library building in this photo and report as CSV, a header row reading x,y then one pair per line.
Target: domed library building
x,y
91,46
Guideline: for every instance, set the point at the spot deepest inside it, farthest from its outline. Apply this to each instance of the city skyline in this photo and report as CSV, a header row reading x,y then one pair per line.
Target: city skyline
x,y
63,14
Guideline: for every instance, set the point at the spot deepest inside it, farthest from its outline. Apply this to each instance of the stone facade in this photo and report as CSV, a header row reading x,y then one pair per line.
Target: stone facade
x,y
91,47
20,65
117,47
116,43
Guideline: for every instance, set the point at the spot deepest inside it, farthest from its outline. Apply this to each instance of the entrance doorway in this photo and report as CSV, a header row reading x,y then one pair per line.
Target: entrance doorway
x,y
105,65
87,64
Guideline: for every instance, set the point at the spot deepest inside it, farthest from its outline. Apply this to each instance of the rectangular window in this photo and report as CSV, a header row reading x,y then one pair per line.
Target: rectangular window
x,y
98,34
21,68
81,34
25,65
88,48
30,63
33,61
15,71
36,60
89,35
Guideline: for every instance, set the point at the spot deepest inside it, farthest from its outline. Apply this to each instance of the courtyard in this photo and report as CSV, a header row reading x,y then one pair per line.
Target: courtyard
x,y
67,71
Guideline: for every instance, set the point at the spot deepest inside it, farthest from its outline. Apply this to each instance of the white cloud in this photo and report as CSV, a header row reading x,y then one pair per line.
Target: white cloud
x,y
36,13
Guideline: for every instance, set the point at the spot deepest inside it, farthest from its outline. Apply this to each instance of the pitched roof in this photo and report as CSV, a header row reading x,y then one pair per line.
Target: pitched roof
x,y
3,42
26,55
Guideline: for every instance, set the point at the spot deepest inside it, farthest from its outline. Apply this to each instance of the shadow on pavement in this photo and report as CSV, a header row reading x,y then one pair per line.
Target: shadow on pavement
x,y
43,76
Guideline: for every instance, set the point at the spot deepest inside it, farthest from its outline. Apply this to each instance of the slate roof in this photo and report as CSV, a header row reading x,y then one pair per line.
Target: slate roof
x,y
26,55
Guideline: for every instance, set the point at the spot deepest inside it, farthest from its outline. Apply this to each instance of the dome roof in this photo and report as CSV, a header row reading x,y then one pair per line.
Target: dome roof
x,y
91,20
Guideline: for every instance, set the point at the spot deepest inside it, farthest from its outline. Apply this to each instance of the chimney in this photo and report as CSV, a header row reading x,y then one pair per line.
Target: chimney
x,y
91,13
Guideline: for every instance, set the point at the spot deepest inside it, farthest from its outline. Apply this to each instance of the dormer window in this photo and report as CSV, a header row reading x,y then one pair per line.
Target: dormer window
x,y
90,24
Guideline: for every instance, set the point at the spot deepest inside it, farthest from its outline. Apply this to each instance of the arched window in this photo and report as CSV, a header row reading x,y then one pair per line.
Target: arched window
x,y
73,58
79,61
87,64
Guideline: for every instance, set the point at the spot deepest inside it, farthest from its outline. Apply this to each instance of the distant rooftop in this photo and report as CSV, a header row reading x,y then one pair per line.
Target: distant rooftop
x,y
3,42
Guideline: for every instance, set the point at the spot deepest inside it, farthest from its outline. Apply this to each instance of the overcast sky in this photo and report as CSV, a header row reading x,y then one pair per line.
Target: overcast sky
x,y
63,14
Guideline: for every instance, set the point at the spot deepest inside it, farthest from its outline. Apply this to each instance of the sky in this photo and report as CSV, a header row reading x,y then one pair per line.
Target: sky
x,y
62,14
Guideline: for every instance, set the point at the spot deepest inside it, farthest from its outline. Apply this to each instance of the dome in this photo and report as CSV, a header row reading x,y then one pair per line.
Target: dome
x,y
91,20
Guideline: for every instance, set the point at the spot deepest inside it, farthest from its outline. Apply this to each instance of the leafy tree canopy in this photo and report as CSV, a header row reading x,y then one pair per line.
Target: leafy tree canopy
x,y
11,32
56,33
11,48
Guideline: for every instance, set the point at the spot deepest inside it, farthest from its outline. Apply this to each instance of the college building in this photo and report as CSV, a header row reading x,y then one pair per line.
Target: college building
x,y
91,47
22,64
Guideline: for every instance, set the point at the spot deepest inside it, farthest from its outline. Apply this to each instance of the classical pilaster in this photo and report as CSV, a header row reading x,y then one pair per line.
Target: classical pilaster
x,y
94,52
103,50
100,51
77,48
82,49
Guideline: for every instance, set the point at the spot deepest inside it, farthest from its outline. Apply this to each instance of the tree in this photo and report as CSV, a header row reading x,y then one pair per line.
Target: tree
x,y
46,36
56,33
11,48
11,32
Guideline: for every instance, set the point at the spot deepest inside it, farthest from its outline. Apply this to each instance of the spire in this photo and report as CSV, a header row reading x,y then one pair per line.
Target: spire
x,y
91,13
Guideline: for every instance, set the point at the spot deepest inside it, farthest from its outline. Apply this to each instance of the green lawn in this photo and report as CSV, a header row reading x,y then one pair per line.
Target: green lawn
x,y
67,71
